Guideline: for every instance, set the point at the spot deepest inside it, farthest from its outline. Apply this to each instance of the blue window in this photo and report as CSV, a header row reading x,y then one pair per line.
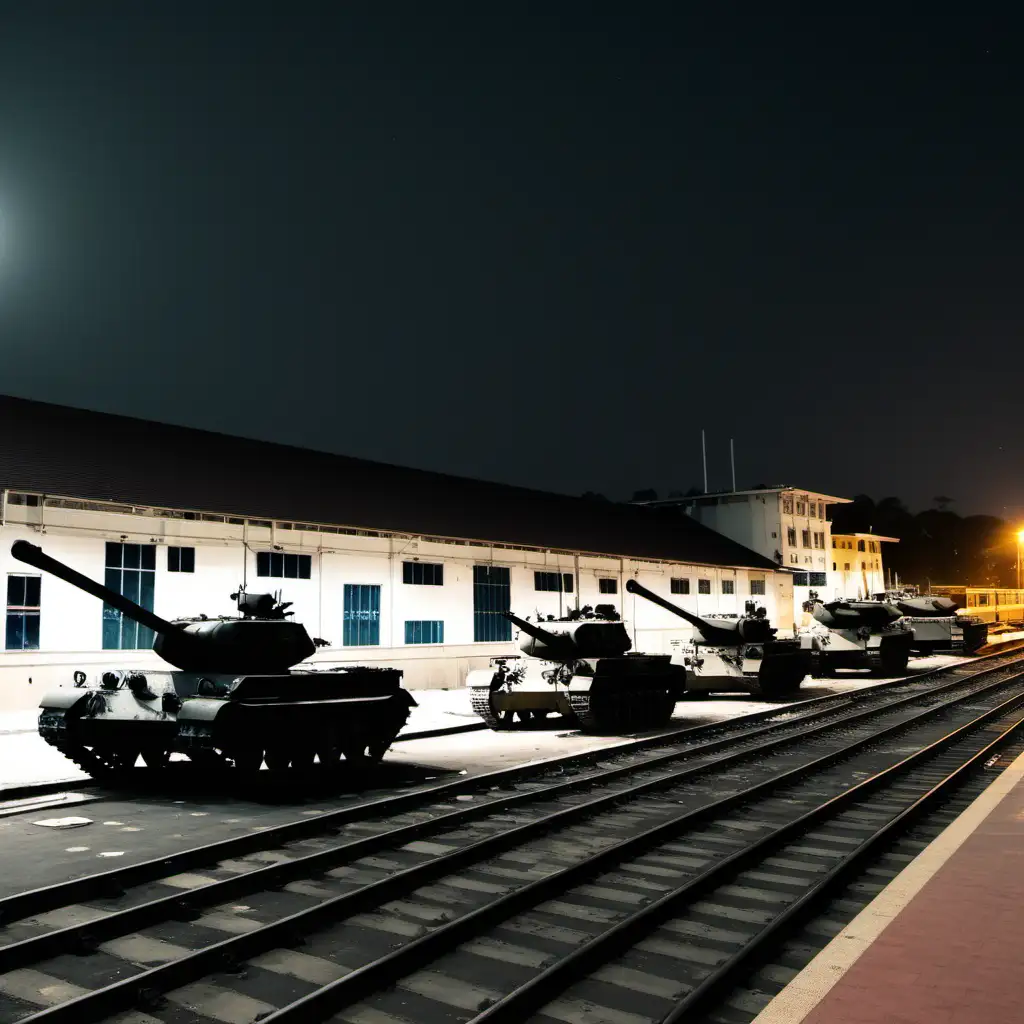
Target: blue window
x,y
131,571
608,586
728,586
492,595
558,582
289,567
424,574
23,613
425,631
679,585
799,579
361,626
181,559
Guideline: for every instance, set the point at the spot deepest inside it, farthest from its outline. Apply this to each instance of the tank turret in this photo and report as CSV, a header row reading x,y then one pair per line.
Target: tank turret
x,y
262,640
734,654
927,607
751,629
870,615
569,640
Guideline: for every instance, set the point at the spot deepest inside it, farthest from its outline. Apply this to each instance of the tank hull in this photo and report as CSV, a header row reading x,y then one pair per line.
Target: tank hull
x,y
952,634
284,720
885,653
602,696
762,670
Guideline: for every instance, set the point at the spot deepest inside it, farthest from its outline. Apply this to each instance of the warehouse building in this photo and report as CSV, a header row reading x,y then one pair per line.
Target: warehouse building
x,y
389,565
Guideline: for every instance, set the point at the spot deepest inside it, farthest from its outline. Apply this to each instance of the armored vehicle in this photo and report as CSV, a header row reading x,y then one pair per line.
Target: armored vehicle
x,y
936,625
233,700
578,666
857,634
734,654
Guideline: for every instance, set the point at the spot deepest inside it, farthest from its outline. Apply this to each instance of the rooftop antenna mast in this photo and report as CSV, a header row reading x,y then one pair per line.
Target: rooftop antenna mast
x,y
704,455
732,459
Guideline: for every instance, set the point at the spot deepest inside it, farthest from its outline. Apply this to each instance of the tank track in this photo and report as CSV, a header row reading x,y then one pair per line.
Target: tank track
x,y
480,700
621,711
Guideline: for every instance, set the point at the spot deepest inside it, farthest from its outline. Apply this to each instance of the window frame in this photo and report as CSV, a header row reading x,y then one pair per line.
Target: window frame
x,y
24,613
177,553
431,575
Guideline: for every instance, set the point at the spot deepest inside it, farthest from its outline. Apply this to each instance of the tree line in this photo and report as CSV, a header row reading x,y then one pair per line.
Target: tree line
x,y
936,546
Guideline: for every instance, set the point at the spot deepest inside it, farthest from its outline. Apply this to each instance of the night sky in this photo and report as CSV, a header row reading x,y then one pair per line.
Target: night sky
x,y
531,243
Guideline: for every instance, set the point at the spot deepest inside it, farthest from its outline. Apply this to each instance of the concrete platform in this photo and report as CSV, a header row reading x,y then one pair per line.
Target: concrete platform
x,y
941,944
26,760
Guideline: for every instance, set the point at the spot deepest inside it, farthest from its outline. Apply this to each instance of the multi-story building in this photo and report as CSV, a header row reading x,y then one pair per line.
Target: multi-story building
x,y
786,524
857,569
391,566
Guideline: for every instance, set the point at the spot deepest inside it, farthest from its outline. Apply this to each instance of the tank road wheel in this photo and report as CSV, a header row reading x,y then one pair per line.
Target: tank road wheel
x,y
302,760
355,752
375,751
248,759
329,756
277,759
156,757
122,760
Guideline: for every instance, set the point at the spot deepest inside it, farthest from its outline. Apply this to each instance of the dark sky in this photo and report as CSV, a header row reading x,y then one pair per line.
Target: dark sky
x,y
528,244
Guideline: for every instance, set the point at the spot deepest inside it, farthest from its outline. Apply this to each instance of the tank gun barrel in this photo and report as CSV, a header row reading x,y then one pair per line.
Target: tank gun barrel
x,y
726,632
636,588
33,555
551,644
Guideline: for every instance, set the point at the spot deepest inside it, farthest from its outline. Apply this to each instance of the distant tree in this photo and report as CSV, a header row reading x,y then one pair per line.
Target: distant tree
x,y
942,502
646,495
693,492
593,496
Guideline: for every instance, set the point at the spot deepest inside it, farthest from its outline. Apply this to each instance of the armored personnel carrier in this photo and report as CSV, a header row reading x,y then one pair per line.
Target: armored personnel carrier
x,y
734,654
580,668
936,625
858,634
233,701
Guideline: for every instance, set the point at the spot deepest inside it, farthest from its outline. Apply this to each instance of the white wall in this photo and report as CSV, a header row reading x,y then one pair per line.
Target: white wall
x,y
225,554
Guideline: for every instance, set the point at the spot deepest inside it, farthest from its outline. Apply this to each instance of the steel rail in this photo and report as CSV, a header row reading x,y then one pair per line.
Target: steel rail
x,y
113,883
532,996
741,962
83,936
148,985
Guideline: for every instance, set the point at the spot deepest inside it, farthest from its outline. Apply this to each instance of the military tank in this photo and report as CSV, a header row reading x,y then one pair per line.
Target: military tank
x,y
936,625
234,700
578,666
734,654
857,634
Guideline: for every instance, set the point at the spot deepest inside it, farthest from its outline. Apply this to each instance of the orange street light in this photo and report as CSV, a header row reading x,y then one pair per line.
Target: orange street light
x,y
1020,540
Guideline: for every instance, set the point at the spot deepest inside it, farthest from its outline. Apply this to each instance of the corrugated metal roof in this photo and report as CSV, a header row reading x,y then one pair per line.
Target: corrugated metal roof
x,y
55,449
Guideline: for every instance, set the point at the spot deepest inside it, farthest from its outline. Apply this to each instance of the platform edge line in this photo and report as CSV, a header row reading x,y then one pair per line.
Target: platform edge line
x,y
793,1004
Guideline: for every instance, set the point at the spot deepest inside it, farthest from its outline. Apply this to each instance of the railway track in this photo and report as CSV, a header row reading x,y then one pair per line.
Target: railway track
x,y
617,879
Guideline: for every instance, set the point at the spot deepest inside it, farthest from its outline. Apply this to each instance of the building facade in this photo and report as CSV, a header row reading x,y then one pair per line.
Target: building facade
x,y
360,550
788,525
857,569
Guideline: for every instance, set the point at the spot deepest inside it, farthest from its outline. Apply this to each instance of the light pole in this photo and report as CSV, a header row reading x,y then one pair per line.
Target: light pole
x,y
1020,540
